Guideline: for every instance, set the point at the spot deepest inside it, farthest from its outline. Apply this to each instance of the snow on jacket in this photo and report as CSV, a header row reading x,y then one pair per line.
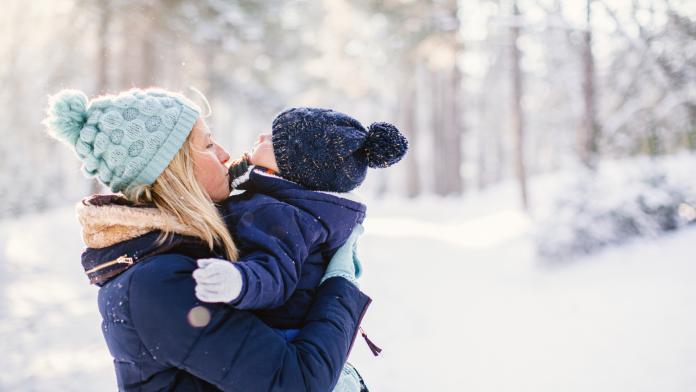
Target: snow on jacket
x,y
287,235
162,338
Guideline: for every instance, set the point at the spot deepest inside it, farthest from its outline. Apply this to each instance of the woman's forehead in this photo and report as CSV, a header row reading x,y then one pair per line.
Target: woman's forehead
x,y
201,130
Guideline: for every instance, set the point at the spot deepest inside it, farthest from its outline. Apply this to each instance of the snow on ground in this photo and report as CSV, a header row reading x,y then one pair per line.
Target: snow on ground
x,y
50,333
464,317
460,304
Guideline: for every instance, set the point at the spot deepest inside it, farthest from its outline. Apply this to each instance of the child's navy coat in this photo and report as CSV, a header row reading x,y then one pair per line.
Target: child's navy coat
x,y
286,235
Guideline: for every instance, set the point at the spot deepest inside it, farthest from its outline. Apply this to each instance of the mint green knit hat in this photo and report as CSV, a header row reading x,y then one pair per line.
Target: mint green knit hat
x,y
126,139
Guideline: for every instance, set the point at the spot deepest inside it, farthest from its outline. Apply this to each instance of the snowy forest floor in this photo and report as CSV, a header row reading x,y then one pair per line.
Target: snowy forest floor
x,y
460,304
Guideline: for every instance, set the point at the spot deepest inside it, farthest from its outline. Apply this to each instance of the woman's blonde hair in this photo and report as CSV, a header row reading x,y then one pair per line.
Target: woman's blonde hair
x,y
176,191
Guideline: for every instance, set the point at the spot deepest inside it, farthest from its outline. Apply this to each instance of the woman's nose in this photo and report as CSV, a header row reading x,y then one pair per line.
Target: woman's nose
x,y
223,155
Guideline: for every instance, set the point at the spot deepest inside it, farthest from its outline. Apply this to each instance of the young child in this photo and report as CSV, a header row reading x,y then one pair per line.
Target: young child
x,y
295,212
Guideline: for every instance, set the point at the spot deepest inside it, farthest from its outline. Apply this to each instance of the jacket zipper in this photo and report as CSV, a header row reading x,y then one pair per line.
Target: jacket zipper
x,y
120,260
357,329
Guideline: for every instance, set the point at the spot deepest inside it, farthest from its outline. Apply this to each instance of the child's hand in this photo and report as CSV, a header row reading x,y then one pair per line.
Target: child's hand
x,y
345,262
217,280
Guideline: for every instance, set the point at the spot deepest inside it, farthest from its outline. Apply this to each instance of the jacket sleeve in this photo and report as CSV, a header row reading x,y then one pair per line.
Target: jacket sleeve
x,y
276,239
233,349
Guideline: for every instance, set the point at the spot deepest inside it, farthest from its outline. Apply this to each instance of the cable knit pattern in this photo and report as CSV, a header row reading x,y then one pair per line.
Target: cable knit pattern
x,y
125,139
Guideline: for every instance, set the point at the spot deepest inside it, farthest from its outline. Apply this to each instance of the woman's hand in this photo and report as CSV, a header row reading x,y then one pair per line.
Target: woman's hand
x,y
217,280
345,262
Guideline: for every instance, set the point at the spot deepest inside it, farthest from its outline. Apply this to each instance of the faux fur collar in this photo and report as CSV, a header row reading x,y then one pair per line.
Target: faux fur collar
x,y
109,219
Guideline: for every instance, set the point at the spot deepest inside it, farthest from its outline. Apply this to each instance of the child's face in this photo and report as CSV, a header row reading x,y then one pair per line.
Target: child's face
x,y
262,152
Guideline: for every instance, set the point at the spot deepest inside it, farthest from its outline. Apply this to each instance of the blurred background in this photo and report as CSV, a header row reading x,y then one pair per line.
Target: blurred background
x,y
537,237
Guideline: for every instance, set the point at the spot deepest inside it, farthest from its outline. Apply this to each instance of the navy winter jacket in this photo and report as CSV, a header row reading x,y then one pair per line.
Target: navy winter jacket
x,y
163,339
286,235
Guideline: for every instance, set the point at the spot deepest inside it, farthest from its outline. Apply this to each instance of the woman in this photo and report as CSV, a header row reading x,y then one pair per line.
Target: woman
x,y
153,147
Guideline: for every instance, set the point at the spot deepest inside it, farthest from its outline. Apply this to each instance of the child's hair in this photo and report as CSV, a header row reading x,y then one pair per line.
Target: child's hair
x,y
177,192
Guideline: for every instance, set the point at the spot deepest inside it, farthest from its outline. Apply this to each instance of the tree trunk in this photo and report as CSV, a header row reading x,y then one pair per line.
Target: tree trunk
x,y
453,131
148,48
439,152
517,113
103,53
446,109
691,133
408,119
103,61
587,133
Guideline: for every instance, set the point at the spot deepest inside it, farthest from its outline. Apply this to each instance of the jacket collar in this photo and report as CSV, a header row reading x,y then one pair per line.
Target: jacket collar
x,y
119,233
104,264
109,219
262,180
338,213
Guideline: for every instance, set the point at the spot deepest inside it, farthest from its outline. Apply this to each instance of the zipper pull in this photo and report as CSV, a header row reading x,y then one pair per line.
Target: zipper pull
x,y
373,347
124,260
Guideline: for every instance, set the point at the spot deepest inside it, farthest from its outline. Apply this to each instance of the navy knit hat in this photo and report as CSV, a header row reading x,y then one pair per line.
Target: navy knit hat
x,y
325,150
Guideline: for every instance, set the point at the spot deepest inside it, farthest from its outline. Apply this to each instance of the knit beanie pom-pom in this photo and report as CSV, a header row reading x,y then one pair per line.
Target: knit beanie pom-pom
x,y
67,114
384,145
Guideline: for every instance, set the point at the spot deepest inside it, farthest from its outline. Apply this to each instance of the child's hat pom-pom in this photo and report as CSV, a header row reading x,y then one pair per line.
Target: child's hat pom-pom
x,y
384,145
67,114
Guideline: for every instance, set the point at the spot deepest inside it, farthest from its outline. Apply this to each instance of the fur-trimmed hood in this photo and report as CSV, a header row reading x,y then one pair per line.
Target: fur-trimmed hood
x,y
109,219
